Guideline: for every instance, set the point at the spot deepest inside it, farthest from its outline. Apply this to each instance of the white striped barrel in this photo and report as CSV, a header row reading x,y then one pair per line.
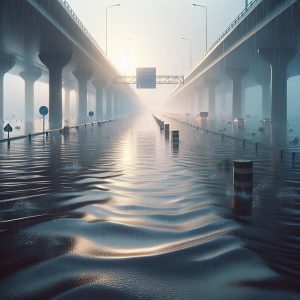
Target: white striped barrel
x,y
162,125
243,176
175,136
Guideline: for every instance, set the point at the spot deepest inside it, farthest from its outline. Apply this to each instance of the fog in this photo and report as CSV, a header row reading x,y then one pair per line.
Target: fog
x,y
149,34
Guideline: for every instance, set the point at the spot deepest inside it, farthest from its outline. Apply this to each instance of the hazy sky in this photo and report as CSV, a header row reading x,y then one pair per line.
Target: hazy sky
x,y
147,33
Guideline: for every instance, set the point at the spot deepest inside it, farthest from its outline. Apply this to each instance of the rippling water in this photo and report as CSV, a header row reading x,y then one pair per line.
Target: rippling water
x,y
118,212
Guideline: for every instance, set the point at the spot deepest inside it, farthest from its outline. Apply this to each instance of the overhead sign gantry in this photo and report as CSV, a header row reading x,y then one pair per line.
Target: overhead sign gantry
x,y
146,78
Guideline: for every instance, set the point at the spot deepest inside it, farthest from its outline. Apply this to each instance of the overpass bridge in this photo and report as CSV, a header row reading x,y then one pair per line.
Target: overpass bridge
x,y
260,47
45,40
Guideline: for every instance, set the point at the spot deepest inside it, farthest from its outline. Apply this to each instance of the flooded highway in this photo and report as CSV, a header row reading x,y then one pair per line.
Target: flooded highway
x,y
117,211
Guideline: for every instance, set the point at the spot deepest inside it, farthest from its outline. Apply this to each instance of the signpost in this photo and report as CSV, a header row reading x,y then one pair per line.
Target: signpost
x,y
44,112
145,78
91,114
8,129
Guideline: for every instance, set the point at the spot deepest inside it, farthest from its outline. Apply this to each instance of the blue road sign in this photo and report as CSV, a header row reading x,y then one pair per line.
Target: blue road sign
x,y
91,114
43,110
8,128
145,78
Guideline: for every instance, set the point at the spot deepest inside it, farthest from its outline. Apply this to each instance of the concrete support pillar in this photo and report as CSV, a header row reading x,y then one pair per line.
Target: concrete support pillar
x,y
115,104
211,85
118,106
243,101
191,103
112,103
186,103
265,83
7,61
55,62
99,86
199,98
266,100
236,75
109,102
67,90
223,103
122,105
29,77
278,60
82,79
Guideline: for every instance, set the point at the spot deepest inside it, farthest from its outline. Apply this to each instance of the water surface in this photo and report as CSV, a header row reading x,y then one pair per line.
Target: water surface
x,y
118,212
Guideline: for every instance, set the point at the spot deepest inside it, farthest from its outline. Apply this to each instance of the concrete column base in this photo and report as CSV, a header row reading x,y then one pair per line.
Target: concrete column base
x,y
30,76
278,60
82,79
99,86
236,75
55,62
211,84
7,61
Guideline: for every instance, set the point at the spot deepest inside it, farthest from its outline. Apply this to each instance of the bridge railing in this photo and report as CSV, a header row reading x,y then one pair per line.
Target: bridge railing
x,y
232,25
235,22
71,12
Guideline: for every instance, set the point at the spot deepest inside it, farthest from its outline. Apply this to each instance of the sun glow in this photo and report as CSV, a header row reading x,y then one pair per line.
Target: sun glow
x,y
125,64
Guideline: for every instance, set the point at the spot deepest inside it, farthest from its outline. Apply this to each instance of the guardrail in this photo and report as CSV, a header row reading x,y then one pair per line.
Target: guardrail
x,y
61,130
71,12
257,145
232,25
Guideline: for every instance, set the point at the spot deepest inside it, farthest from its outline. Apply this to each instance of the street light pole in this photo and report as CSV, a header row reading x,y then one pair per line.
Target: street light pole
x,y
203,6
106,8
183,38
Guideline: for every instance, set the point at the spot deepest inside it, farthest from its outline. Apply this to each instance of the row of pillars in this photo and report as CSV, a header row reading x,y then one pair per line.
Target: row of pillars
x,y
274,87
113,103
55,62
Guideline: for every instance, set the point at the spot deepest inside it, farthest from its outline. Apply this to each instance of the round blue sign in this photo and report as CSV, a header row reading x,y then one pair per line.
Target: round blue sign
x,y
91,113
43,110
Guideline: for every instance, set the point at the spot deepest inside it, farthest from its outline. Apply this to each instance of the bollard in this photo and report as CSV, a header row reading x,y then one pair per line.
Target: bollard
x,y
243,176
161,125
47,133
29,137
66,129
175,136
85,125
167,128
293,156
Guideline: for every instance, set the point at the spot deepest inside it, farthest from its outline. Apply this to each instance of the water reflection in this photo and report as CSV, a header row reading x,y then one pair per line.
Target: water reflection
x,y
242,205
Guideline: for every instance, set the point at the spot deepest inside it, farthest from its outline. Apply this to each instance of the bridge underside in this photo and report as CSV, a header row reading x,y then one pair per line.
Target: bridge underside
x,y
41,40
261,50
